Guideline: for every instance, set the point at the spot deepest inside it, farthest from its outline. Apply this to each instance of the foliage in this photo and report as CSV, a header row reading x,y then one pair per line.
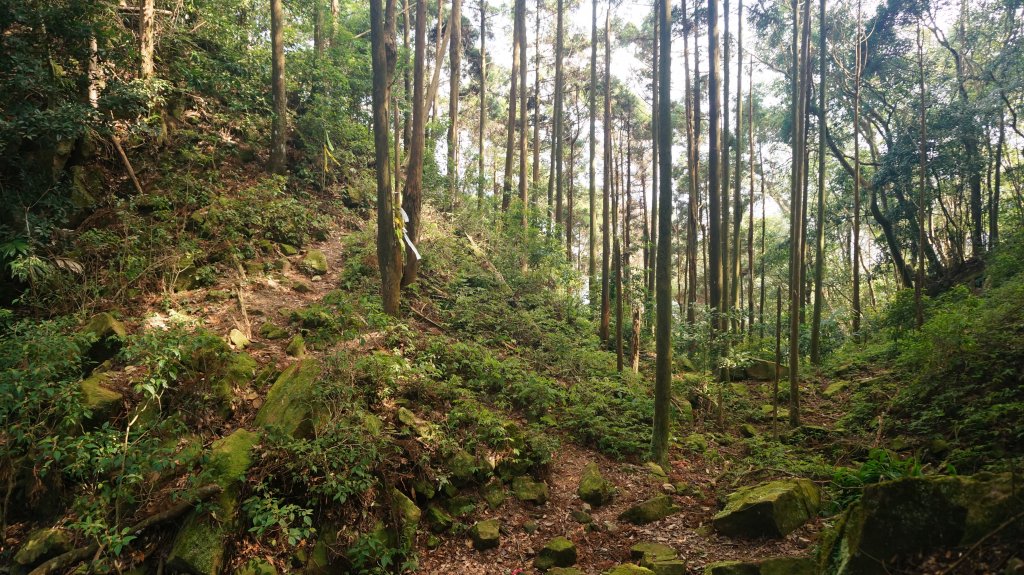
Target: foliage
x,y
881,465
268,514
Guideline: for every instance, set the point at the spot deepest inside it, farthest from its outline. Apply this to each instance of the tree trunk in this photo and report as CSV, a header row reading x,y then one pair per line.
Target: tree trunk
x,y
483,104
737,209
389,250
146,38
559,134
592,106
536,97
856,176
652,272
692,183
663,329
455,65
725,224
412,194
819,240
523,122
606,187
513,102
750,227
922,175
714,271
279,126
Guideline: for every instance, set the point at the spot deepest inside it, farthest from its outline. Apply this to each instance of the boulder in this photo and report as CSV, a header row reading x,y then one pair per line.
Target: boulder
x,y
288,249
659,558
200,545
494,493
559,552
649,511
287,405
764,370
485,534
42,545
439,519
910,516
594,488
408,512
238,339
463,467
461,505
420,427
564,571
103,403
296,347
772,509
835,388
315,263
748,430
527,490
772,566
629,569
109,334
271,331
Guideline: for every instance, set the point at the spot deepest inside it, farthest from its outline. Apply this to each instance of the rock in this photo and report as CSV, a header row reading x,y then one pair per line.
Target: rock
x,y
530,527
238,339
288,249
807,433
1015,566
764,370
300,287
420,427
610,527
462,466
494,493
649,511
696,442
683,410
201,542
835,388
42,545
772,566
564,571
485,534
656,470
319,562
748,430
915,515
271,331
103,402
409,513
772,509
109,334
314,264
739,389
629,569
218,295
667,567
297,346
433,541
439,519
559,552
594,488
651,551
461,505
783,414
527,490
582,517
287,406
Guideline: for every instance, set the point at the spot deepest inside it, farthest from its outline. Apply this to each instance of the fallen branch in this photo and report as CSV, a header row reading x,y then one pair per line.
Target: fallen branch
x,y
127,164
974,547
82,553
420,315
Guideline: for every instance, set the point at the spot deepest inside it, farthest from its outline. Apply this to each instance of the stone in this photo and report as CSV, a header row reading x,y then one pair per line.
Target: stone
x,y
420,427
439,519
683,410
296,347
1015,566
238,339
651,551
594,488
654,509
103,403
218,295
667,567
530,527
629,569
109,334
494,493
409,513
656,470
485,534
771,566
271,331
42,545
771,509
916,515
835,388
527,490
463,467
564,571
287,406
783,413
748,430
764,370
559,552
200,544
314,264
581,517
696,442
288,249
461,505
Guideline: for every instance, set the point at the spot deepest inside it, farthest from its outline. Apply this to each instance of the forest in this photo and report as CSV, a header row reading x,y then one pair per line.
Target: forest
x,y
510,287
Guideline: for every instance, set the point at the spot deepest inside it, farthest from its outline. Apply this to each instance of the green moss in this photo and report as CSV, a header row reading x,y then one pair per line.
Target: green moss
x,y
629,569
769,510
315,263
654,509
649,551
530,491
102,401
485,534
287,406
41,545
271,331
559,552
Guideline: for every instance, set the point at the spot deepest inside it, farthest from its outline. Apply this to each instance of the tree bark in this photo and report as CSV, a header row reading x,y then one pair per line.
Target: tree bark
x,y
146,37
523,123
819,240
279,125
455,67
714,271
592,106
483,104
412,194
389,250
606,187
513,102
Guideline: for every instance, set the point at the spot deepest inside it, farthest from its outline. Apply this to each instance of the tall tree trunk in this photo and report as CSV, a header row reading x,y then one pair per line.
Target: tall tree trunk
x,y
455,65
513,102
663,329
634,348
922,176
389,250
750,227
725,224
655,124
617,255
735,286
592,107
559,134
993,208
147,35
483,103
523,122
819,240
412,194
279,126
606,188
714,271
406,80
856,175
693,188
536,98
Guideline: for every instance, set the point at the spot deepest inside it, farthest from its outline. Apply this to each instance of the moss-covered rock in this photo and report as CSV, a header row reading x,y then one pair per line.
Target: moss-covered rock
x,y
650,551
109,334
296,347
494,493
696,442
772,566
315,263
654,509
748,430
527,490
898,519
485,534
103,403
769,510
439,519
564,571
409,514
287,405
629,569
237,339
594,488
765,370
288,249
462,467
271,331
319,561
200,544
559,552
835,388
416,425
42,545
461,505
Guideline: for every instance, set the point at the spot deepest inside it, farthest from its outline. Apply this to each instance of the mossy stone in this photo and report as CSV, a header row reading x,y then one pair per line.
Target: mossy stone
x,y
286,406
296,347
238,339
582,517
529,491
409,513
656,471
461,505
494,493
200,544
103,403
782,415
271,331
564,571
109,334
462,466
315,263
439,519
654,509
417,425
485,534
696,442
771,509
732,568
650,551
594,488
288,249
530,527
629,569
771,566
683,410
559,552
41,545
764,370
835,388
748,430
